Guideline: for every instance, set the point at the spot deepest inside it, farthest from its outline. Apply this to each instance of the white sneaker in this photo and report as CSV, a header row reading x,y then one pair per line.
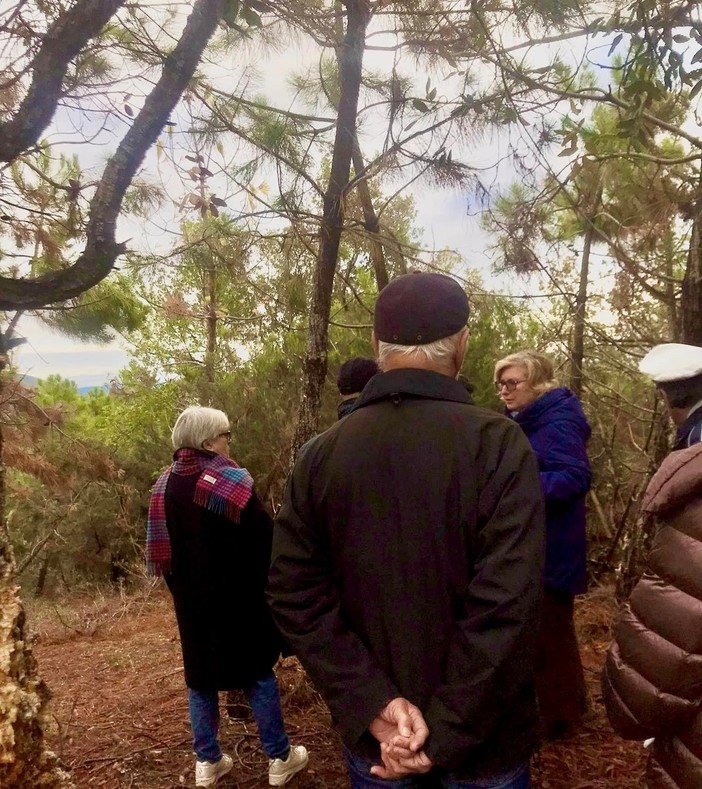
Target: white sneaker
x,y
208,773
280,771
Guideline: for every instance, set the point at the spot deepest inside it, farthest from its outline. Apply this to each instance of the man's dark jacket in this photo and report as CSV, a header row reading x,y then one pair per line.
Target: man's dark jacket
x,y
408,560
558,430
346,407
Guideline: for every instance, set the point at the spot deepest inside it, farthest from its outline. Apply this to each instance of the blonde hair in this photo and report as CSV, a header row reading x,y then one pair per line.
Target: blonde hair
x,y
539,369
196,425
438,352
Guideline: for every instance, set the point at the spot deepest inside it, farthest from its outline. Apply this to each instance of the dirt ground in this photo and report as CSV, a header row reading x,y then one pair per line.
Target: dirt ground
x,y
119,712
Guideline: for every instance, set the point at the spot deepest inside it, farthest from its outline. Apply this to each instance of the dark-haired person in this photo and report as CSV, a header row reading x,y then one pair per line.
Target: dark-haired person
x,y
353,376
210,537
652,680
676,369
407,563
553,420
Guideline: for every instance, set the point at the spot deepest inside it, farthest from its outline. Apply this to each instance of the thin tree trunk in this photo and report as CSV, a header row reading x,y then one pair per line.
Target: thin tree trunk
x,y
578,350
350,57
370,220
43,574
691,298
210,291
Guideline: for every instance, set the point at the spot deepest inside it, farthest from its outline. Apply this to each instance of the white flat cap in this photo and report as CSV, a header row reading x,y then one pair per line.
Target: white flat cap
x,y
672,361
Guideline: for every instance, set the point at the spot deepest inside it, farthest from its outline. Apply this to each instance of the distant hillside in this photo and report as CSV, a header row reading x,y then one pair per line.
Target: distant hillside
x,y
85,389
32,382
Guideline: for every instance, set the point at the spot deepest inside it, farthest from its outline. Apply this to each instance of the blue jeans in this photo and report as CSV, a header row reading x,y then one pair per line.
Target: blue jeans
x,y
359,772
264,701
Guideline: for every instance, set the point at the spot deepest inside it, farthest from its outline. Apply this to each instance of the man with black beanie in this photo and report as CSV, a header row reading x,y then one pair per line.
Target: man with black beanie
x,y
408,558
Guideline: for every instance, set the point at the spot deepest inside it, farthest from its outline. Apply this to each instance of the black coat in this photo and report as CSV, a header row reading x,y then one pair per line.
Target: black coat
x,y
218,576
408,560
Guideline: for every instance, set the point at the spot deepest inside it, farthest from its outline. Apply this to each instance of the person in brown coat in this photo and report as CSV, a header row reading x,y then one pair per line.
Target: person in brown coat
x,y
652,680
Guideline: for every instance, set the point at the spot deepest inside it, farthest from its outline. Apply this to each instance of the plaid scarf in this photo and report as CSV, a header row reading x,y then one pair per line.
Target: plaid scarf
x,y
223,488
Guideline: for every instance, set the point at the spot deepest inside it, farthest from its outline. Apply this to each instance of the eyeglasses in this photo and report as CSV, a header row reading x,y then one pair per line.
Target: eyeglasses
x,y
510,384
227,433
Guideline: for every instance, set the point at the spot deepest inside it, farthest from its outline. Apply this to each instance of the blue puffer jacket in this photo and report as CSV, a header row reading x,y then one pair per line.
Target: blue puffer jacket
x,y
558,430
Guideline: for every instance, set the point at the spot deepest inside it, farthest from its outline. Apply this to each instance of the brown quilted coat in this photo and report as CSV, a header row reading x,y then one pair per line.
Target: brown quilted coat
x,y
652,680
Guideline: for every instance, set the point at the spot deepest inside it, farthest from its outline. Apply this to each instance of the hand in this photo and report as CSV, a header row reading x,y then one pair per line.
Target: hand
x,y
401,730
399,767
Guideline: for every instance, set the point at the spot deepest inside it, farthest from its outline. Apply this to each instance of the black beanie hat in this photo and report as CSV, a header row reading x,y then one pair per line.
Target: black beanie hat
x,y
419,308
355,374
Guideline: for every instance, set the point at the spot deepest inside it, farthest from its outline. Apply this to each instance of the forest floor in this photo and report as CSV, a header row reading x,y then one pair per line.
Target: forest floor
x,y
119,712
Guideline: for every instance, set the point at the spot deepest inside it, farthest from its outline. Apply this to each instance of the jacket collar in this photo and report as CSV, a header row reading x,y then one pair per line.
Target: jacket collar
x,y
687,434
413,383
538,407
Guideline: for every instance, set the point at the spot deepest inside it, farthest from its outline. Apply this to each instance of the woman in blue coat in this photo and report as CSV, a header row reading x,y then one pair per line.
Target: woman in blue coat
x,y
557,429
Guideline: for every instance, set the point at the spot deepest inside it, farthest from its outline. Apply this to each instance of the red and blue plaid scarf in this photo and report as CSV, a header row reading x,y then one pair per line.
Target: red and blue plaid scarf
x,y
223,488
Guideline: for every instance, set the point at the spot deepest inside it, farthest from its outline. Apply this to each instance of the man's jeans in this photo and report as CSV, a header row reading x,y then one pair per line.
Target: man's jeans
x,y
359,772
264,701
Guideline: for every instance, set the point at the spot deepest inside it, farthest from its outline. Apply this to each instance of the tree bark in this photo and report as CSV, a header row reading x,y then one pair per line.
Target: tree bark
x,y
61,44
24,759
101,249
350,58
210,287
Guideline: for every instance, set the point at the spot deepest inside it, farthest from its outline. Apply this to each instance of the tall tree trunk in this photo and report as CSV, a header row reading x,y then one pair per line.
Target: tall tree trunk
x,y
24,760
578,351
691,298
210,282
350,57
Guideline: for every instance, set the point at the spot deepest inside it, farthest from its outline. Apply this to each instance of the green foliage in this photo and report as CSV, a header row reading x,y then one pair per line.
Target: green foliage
x,y
498,326
111,306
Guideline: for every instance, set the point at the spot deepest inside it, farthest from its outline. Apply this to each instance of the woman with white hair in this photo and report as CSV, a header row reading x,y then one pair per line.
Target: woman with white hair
x,y
210,537
554,422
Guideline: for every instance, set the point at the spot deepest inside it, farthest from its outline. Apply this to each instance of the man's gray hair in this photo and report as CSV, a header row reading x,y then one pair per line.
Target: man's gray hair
x,y
439,352
196,425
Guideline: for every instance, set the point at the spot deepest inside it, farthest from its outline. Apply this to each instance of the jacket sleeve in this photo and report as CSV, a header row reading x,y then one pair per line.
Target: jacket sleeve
x,y
563,463
491,652
652,678
306,608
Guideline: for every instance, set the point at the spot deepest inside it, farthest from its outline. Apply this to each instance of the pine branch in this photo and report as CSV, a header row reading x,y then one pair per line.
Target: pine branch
x,y
63,41
101,249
